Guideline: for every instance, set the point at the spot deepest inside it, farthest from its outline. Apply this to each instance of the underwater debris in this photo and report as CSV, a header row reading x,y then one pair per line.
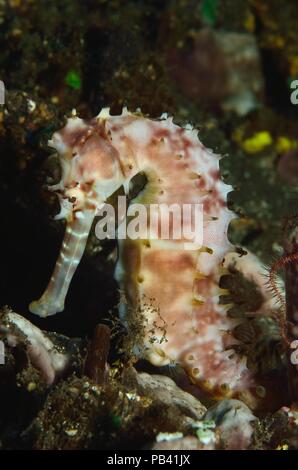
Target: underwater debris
x,y
278,42
95,366
227,425
73,80
233,420
288,167
163,389
288,320
168,436
44,350
291,283
185,443
206,432
278,431
79,414
223,69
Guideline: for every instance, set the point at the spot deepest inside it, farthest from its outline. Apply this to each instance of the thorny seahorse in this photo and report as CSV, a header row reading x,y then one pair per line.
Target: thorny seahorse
x,y
176,289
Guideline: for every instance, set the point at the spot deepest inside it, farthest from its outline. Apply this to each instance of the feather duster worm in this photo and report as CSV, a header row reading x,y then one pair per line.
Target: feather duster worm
x,y
177,290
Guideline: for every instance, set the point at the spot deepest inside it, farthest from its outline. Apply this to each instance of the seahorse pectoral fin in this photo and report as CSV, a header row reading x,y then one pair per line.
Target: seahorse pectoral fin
x,y
73,246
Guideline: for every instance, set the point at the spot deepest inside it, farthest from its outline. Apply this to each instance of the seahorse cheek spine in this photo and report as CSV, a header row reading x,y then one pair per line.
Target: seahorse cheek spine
x,y
175,289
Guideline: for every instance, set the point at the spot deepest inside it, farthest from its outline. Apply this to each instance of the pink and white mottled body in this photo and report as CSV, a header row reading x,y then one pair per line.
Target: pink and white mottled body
x,y
176,289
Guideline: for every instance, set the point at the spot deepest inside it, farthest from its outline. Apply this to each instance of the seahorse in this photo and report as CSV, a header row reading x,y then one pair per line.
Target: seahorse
x,y
176,289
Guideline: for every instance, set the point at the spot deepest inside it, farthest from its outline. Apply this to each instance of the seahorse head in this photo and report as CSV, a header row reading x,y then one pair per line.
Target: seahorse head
x,y
90,165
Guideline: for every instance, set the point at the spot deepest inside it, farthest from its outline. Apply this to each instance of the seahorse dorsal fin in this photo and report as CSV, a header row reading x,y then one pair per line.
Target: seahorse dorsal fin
x,y
104,113
126,187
